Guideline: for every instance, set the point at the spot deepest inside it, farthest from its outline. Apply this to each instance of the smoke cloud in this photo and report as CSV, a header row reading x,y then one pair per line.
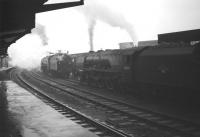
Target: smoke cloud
x,y
93,10
41,32
28,51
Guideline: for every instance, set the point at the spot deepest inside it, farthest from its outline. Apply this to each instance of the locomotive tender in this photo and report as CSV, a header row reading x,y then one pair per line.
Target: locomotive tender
x,y
170,71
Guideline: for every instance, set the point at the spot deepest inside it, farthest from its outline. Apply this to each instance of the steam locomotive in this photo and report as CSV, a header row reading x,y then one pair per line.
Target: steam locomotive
x,y
58,65
170,71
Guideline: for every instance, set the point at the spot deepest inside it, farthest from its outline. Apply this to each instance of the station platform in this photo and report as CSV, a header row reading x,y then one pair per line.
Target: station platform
x,y
28,116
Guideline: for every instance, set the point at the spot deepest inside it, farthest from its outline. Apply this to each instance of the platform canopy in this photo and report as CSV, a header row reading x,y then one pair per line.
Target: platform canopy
x,y
17,18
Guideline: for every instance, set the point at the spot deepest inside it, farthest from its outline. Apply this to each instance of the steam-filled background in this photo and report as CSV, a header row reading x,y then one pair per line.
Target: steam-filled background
x,y
102,24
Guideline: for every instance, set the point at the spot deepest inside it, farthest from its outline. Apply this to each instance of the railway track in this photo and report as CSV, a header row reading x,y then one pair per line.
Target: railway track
x,y
126,114
97,127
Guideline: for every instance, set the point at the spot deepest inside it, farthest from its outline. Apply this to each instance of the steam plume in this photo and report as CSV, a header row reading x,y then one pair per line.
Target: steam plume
x,y
92,24
41,32
93,10
27,52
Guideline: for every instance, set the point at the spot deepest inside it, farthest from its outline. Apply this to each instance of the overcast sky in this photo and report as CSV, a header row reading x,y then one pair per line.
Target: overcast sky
x,y
115,21
149,17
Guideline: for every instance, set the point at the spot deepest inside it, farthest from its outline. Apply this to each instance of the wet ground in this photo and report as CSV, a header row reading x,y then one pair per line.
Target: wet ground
x,y
33,118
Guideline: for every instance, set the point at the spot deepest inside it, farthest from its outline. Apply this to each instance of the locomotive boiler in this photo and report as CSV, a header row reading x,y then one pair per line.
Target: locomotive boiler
x,y
109,68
